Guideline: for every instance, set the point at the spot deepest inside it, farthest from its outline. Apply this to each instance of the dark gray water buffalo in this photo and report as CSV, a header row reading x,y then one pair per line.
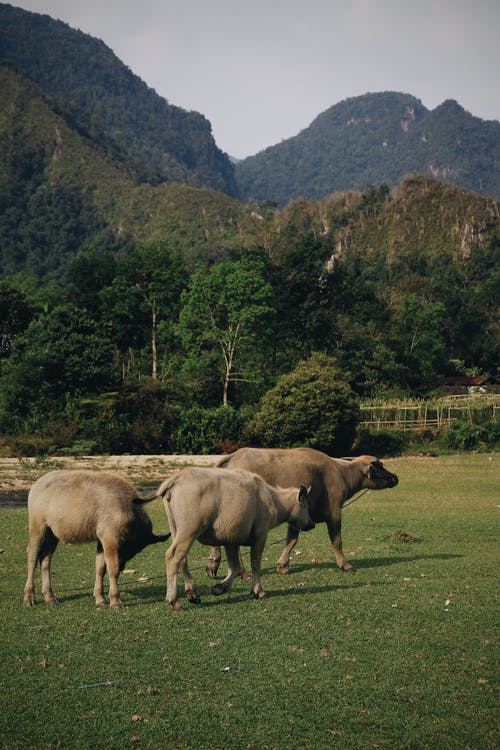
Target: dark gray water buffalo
x,y
332,481
228,508
86,506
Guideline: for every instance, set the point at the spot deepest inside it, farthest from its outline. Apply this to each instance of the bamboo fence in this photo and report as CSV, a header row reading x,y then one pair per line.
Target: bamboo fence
x,y
429,415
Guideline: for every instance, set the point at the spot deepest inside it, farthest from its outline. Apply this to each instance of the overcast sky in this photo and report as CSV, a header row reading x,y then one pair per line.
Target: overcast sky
x,y
261,70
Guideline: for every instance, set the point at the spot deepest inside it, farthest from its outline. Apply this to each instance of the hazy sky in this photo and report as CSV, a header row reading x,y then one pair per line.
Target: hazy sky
x,y
261,70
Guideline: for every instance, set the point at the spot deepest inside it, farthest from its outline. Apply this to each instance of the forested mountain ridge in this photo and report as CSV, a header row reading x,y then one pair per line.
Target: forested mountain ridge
x,y
373,139
366,140
65,186
420,219
156,303
81,70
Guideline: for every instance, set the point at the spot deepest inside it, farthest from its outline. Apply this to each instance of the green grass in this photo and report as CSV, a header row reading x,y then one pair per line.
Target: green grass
x,y
371,660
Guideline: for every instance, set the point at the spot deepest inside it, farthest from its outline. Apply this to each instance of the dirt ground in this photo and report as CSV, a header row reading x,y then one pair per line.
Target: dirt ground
x,y
146,472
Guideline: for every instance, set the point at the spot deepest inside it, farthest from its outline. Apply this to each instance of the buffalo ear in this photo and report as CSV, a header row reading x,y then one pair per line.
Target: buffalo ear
x,y
303,493
368,469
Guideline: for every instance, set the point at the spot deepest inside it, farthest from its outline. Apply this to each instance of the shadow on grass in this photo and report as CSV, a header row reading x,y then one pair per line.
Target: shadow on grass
x,y
151,594
234,596
366,563
238,597
156,592
379,562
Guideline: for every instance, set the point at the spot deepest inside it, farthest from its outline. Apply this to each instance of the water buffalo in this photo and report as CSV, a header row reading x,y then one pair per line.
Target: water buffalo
x,y
226,507
85,506
332,480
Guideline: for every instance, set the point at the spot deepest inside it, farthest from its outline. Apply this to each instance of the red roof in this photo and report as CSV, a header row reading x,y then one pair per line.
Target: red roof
x,y
464,380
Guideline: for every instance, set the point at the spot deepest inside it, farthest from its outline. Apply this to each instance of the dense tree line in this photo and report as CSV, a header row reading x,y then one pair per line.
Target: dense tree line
x,y
141,353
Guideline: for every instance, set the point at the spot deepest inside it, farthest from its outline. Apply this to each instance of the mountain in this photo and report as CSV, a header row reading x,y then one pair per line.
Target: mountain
x,y
77,69
374,139
65,186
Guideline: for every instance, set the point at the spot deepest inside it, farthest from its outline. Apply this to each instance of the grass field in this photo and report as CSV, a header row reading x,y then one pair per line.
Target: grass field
x,y
399,655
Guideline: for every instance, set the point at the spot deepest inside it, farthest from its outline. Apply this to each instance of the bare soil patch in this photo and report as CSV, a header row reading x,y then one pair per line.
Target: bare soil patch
x,y
18,474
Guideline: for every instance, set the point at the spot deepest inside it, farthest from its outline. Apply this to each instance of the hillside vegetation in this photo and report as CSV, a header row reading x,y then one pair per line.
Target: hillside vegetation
x,y
141,315
372,139
65,186
80,70
136,351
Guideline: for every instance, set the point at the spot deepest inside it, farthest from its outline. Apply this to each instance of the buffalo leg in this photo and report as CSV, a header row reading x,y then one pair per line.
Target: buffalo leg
x,y
334,531
234,569
213,562
174,557
255,557
189,584
100,570
40,549
34,547
284,559
243,573
113,567
48,548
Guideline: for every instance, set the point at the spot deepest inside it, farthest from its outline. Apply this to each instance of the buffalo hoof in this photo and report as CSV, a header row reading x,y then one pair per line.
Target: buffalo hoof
x,y
211,570
218,589
29,602
348,568
52,602
283,570
245,576
259,594
193,597
101,603
176,606
118,605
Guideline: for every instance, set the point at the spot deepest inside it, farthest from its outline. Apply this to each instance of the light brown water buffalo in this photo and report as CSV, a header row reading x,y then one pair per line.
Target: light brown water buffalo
x,y
228,508
85,506
332,481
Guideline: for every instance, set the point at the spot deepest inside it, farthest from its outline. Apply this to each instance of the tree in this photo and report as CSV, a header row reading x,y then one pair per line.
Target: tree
x,y
419,342
141,305
225,318
88,274
303,302
15,315
314,406
60,357
159,280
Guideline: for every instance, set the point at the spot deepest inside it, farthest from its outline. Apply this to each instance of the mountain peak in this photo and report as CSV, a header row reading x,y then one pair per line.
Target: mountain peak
x,y
373,139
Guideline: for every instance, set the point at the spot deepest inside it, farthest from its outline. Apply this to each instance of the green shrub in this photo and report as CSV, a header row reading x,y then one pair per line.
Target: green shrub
x,y
380,443
314,406
78,448
202,431
136,419
466,437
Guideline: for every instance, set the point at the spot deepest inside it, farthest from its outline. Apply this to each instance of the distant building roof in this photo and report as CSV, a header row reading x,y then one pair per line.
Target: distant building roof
x,y
465,380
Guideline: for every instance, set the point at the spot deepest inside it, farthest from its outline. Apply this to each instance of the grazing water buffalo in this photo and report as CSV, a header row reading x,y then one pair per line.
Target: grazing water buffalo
x,y
226,507
86,506
332,481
